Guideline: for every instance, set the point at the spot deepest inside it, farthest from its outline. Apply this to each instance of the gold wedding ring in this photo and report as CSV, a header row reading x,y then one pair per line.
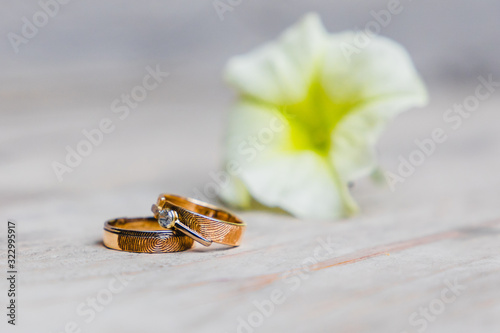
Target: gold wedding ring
x,y
143,234
177,223
198,220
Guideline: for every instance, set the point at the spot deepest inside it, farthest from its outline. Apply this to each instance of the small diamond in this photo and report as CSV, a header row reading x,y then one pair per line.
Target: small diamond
x,y
166,217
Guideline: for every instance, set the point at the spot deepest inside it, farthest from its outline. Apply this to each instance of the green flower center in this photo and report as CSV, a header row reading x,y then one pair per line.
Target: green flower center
x,y
313,120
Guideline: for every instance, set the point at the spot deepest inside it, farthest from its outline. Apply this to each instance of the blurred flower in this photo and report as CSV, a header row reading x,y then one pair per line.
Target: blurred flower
x,y
308,118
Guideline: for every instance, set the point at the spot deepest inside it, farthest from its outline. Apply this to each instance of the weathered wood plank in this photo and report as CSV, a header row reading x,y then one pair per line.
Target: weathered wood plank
x,y
440,227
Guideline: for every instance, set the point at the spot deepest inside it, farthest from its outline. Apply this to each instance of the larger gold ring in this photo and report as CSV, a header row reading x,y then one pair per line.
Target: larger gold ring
x,y
143,234
198,220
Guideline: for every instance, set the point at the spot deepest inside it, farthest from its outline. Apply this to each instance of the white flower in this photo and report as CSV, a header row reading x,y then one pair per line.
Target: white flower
x,y
308,117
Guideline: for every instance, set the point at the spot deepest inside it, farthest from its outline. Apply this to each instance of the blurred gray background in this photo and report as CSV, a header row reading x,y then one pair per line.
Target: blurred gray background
x,y
65,78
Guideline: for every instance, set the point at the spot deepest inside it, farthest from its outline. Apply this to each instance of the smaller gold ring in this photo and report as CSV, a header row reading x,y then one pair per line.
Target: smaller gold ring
x,y
198,220
144,235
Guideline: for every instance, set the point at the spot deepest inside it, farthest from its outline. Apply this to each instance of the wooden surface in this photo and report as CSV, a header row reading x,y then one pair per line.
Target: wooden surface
x,y
381,269
441,225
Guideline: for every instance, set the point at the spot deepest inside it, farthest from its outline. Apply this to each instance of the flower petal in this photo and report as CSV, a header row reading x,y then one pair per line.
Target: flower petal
x,y
300,182
379,82
335,105
279,72
382,69
285,181
352,152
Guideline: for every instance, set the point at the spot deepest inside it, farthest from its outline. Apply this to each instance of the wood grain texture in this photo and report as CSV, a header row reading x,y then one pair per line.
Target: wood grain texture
x,y
370,273
441,226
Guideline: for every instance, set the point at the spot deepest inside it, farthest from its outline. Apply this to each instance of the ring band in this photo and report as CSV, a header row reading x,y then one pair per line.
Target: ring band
x,y
198,220
143,234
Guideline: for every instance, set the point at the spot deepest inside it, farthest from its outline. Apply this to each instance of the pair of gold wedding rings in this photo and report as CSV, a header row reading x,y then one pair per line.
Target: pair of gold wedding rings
x,y
177,223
